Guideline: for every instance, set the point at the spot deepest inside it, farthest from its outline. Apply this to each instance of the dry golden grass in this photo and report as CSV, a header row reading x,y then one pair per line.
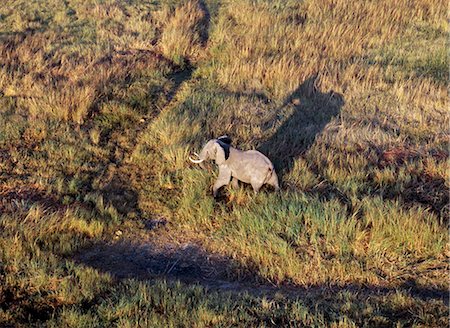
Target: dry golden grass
x,y
182,38
277,49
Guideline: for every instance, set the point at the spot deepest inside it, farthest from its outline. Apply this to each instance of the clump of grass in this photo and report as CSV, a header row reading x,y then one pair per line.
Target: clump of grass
x,y
181,39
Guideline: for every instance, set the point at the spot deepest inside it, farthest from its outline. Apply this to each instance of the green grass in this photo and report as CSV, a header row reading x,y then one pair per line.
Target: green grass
x,y
102,102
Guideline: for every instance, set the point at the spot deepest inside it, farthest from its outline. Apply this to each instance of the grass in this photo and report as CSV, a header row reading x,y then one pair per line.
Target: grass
x,y
101,102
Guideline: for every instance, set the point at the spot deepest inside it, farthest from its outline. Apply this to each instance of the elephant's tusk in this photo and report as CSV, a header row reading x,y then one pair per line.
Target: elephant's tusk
x,y
196,161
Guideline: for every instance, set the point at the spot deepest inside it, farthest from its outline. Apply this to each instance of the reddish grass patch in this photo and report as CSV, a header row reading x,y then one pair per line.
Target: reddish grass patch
x,y
398,155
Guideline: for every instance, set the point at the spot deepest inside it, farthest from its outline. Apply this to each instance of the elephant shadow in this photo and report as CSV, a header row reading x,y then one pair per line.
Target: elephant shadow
x,y
312,110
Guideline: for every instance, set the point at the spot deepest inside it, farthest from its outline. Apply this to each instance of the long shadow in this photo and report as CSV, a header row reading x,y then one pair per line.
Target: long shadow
x,y
205,23
112,178
117,192
116,187
312,111
192,265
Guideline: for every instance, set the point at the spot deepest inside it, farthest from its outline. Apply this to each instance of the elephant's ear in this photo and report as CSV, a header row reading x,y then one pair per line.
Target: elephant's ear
x,y
225,139
222,152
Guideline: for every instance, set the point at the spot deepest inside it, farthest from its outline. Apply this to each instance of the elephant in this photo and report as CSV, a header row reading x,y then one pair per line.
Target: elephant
x,y
236,165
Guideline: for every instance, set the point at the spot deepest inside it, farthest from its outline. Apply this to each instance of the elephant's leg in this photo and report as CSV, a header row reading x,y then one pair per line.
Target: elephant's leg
x,y
256,186
222,180
234,183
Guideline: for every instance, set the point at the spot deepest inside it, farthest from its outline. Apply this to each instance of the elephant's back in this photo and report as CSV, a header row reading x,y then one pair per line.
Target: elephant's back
x,y
260,157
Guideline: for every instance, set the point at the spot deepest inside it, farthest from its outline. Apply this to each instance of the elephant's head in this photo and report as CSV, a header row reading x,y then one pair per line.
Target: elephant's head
x,y
216,149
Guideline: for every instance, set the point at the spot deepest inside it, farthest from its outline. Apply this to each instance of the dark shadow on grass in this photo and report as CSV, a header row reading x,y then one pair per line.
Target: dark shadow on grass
x,y
421,188
14,199
32,308
313,110
204,23
190,264
117,190
127,63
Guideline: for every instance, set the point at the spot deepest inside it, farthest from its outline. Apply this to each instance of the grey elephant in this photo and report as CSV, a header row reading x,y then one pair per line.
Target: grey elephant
x,y
235,165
